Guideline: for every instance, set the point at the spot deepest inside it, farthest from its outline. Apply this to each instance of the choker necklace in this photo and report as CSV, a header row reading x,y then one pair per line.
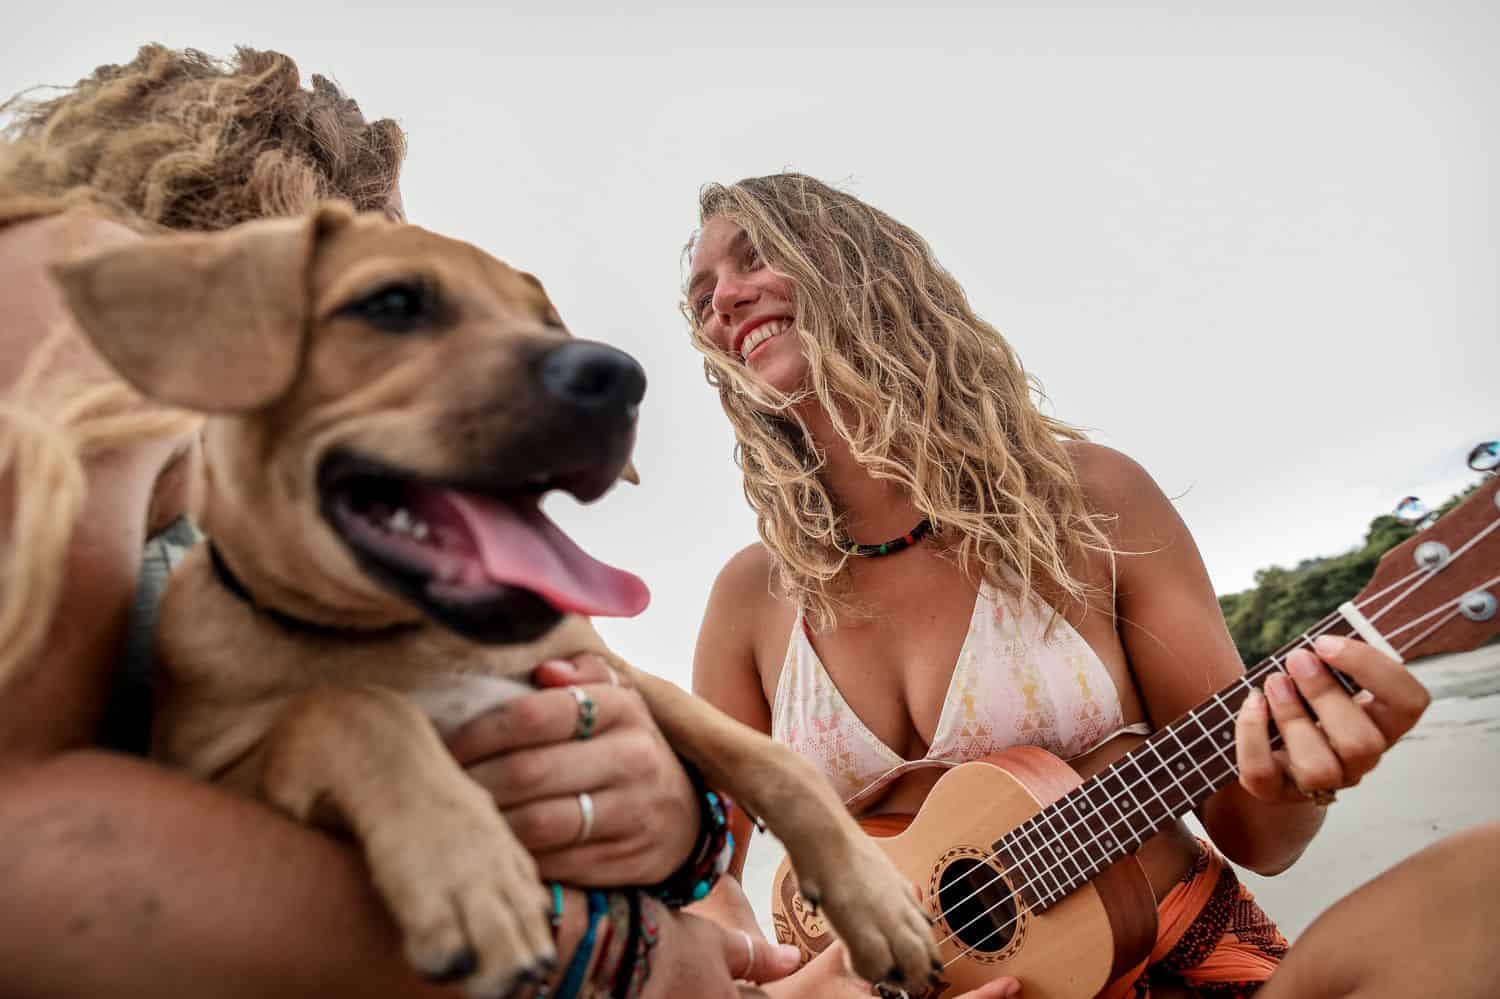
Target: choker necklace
x,y
890,547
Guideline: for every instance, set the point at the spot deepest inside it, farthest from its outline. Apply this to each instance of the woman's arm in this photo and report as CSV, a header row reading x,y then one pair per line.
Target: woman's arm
x,y
1180,653
1179,648
725,675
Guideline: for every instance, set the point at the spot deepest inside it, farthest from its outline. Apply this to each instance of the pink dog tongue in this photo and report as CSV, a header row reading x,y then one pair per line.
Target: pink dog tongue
x,y
528,550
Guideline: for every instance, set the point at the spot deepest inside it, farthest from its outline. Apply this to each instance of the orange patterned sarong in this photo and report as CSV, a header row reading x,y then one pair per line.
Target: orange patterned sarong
x,y
1211,936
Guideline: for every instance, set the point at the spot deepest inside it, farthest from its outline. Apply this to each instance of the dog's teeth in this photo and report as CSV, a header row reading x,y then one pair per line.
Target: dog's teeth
x,y
419,531
400,521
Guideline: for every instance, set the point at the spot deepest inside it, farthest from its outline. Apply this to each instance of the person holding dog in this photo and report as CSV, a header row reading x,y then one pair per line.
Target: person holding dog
x,y
125,878
944,571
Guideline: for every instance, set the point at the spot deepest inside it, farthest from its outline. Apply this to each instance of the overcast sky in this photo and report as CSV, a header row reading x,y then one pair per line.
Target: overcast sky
x,y
1252,246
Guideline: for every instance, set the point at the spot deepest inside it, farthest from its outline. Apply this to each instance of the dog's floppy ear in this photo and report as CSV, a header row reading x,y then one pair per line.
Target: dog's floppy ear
x,y
212,322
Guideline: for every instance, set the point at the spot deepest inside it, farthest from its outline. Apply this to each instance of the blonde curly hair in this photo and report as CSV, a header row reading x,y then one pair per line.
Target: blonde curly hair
x,y
924,392
173,140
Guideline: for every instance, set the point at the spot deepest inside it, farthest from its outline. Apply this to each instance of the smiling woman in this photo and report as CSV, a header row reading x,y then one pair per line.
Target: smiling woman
x,y
1043,600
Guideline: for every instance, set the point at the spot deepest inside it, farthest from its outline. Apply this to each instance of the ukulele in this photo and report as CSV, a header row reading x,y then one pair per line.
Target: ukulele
x,y
1028,870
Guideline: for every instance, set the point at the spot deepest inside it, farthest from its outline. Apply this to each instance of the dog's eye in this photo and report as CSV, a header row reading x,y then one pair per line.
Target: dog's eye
x,y
398,307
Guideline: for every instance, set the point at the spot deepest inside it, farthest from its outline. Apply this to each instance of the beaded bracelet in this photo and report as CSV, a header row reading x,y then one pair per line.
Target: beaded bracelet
x,y
635,962
711,853
578,967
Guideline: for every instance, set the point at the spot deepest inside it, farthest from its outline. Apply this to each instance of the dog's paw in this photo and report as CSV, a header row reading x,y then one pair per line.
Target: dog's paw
x,y
874,911
465,895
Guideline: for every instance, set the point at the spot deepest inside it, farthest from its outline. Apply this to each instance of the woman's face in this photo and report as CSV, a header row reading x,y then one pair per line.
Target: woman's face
x,y
743,307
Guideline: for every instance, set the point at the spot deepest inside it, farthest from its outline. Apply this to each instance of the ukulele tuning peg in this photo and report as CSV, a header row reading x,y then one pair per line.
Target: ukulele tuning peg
x,y
1485,457
1478,605
1411,511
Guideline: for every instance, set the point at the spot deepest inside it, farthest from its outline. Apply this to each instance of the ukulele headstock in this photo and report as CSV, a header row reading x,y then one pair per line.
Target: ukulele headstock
x,y
1439,591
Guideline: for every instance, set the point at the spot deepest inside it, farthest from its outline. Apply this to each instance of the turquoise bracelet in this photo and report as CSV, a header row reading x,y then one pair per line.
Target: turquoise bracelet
x,y
578,968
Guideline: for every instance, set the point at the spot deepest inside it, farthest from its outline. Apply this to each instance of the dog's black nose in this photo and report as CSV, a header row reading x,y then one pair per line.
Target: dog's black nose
x,y
593,376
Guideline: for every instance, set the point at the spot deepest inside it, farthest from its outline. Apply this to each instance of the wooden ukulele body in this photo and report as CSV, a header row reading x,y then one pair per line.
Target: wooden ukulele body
x,y
1071,951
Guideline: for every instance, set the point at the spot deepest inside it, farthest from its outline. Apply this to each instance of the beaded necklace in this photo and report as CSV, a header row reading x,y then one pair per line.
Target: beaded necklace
x,y
890,547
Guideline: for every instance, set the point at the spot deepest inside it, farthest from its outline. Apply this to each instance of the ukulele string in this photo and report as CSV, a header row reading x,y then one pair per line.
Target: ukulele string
x,y
1026,884
1043,869
1272,664
1430,572
1453,612
1036,870
1049,869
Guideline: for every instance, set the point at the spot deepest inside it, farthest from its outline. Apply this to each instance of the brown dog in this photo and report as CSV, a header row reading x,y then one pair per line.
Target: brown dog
x,y
386,406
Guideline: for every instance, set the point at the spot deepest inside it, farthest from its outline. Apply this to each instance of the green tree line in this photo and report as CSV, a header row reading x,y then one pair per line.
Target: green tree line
x,y
1286,602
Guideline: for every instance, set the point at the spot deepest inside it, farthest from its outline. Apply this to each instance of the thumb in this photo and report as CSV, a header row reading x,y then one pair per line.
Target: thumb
x,y
751,957
587,668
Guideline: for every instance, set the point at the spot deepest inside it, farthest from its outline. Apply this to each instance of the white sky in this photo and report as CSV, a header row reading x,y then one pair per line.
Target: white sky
x,y
1254,250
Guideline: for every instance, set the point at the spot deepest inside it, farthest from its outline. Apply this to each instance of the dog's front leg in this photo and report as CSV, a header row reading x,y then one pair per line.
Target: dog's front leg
x,y
867,900
463,890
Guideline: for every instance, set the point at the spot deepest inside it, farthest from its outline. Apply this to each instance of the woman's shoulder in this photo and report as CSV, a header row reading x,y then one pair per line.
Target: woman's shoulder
x,y
746,601
1136,510
1111,480
1103,468
746,577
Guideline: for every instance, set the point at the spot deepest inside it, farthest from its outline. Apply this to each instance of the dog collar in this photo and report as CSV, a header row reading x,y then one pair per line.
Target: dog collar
x,y
232,583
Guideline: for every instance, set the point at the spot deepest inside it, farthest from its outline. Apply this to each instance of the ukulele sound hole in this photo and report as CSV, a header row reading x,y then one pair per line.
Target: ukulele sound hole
x,y
977,905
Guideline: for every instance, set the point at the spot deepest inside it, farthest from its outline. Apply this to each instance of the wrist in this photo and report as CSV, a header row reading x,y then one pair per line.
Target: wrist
x,y
712,849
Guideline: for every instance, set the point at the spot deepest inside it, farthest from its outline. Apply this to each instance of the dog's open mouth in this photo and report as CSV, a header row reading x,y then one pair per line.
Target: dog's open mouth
x,y
460,550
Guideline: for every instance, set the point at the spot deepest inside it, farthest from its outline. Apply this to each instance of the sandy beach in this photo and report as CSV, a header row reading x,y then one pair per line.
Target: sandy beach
x,y
1444,776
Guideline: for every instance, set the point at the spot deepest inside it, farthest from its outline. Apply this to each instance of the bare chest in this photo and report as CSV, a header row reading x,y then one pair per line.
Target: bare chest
x,y
892,656
894,664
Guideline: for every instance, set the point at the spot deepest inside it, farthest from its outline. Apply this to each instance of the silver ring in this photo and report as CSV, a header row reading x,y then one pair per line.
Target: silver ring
x,y
585,817
749,953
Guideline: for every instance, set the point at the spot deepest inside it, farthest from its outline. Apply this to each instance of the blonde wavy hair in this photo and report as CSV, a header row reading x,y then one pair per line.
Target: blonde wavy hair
x,y
925,393
173,140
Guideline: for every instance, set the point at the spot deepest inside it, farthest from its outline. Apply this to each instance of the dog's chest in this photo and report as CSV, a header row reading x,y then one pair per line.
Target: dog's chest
x,y
452,700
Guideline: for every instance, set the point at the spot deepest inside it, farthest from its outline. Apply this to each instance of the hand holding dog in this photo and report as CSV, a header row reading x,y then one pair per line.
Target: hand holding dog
x,y
645,814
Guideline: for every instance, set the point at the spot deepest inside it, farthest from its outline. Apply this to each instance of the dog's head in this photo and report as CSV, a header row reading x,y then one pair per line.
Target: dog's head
x,y
379,397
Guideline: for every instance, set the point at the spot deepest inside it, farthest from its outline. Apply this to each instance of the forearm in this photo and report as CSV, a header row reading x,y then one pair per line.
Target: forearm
x,y
1263,837
124,879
